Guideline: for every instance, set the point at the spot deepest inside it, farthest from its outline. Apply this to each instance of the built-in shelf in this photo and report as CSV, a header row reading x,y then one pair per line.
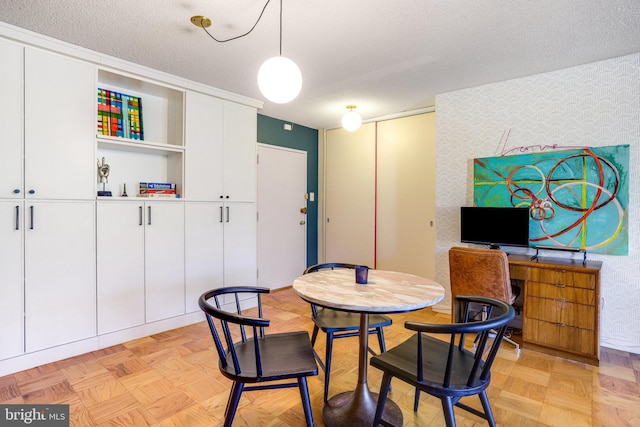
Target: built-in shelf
x,y
115,143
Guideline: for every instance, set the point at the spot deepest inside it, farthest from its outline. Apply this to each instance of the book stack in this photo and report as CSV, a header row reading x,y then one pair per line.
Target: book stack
x,y
158,190
119,115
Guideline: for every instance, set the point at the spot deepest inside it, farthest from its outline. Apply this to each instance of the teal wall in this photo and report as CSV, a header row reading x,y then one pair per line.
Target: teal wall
x,y
271,131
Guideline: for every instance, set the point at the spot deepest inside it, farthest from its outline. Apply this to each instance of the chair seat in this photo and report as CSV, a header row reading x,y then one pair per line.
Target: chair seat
x,y
283,356
335,321
401,362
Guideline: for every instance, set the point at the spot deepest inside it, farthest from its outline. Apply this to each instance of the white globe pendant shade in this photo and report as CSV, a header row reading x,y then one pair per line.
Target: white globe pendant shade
x,y
279,79
351,120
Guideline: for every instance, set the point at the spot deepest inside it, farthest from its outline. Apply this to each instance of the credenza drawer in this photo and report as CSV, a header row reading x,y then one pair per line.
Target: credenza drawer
x,y
566,338
563,277
561,292
560,312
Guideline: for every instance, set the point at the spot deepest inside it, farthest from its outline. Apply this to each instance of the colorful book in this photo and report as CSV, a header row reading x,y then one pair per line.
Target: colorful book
x,y
119,115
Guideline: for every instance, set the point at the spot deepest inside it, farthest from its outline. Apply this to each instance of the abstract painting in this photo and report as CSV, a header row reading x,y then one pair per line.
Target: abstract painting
x,y
577,198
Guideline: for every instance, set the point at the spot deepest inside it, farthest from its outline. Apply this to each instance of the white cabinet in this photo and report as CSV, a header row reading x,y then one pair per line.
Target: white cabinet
x,y
11,290
240,244
59,120
220,244
140,262
164,260
204,133
220,149
60,284
11,107
240,152
120,265
204,253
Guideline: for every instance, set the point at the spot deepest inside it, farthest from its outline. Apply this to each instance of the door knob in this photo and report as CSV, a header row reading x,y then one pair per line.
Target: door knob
x,y
303,222
303,210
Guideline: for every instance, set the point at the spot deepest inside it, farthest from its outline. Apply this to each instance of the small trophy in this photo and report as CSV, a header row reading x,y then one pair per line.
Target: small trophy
x,y
103,172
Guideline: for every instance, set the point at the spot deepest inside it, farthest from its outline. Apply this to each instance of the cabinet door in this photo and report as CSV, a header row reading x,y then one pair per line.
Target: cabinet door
x,y
164,260
59,128
204,138
11,105
203,250
240,247
120,265
240,136
60,276
11,303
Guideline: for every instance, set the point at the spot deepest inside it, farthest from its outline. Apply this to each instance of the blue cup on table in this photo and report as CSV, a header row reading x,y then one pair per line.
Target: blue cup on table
x,y
362,274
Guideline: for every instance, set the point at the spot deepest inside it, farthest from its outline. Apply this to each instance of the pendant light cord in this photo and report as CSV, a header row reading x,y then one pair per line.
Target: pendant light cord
x,y
254,26
280,27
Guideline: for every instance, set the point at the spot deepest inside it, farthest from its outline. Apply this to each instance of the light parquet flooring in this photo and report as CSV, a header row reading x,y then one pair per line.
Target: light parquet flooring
x,y
172,379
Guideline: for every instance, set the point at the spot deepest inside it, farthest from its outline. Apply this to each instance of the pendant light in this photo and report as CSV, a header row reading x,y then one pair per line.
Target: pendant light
x,y
279,78
351,120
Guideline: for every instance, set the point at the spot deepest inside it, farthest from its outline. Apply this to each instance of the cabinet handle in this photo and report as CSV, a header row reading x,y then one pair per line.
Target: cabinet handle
x,y
149,215
32,191
227,213
560,285
140,215
18,217
560,325
221,214
31,217
16,191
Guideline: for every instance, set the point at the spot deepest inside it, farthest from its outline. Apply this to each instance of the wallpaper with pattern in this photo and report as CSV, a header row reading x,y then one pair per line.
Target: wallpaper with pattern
x,y
591,105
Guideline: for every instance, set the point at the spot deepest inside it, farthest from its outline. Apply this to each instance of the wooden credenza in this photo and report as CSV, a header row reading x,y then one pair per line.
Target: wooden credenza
x,y
561,306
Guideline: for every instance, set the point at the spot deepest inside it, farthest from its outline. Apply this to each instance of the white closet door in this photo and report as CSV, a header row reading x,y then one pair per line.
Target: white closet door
x,y
406,195
350,196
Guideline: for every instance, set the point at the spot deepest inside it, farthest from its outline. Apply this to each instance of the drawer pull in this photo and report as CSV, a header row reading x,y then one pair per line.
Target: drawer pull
x,y
560,285
560,325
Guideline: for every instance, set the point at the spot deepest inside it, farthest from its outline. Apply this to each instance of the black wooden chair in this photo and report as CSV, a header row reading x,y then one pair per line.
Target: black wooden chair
x,y
258,358
341,324
446,369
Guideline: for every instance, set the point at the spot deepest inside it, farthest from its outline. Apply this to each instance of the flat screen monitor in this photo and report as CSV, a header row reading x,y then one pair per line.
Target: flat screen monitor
x,y
494,226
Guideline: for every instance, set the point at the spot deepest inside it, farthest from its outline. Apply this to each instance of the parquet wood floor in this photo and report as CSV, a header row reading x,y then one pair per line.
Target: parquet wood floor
x,y
172,379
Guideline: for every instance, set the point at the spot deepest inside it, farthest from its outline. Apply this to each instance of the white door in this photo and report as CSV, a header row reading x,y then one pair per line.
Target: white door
x,y
120,264
164,260
59,126
204,268
282,229
60,274
11,303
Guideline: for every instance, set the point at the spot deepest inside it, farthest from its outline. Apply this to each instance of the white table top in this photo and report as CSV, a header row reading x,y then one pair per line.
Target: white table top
x,y
385,292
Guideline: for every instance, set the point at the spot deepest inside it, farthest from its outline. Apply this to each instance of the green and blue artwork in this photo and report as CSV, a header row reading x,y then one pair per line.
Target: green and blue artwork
x,y
577,198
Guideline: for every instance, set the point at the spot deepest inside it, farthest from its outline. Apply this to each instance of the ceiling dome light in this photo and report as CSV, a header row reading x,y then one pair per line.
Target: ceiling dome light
x,y
279,79
351,120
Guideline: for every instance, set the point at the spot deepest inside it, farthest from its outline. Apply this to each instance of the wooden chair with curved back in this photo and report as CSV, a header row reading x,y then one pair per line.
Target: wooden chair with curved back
x,y
341,324
444,368
257,358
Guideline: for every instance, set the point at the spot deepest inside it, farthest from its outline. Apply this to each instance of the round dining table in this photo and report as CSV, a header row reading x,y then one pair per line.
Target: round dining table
x,y
385,292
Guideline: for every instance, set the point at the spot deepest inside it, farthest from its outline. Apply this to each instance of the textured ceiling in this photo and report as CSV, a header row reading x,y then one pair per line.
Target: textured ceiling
x,y
385,56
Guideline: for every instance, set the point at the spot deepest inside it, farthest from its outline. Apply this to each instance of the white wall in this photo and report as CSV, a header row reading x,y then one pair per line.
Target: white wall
x,y
594,105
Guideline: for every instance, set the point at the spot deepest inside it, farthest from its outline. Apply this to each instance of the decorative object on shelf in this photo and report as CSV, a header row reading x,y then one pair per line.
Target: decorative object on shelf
x,y
351,120
119,115
124,190
103,172
279,78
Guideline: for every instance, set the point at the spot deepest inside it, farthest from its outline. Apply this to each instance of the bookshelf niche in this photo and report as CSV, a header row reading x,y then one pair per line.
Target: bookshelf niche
x,y
153,152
